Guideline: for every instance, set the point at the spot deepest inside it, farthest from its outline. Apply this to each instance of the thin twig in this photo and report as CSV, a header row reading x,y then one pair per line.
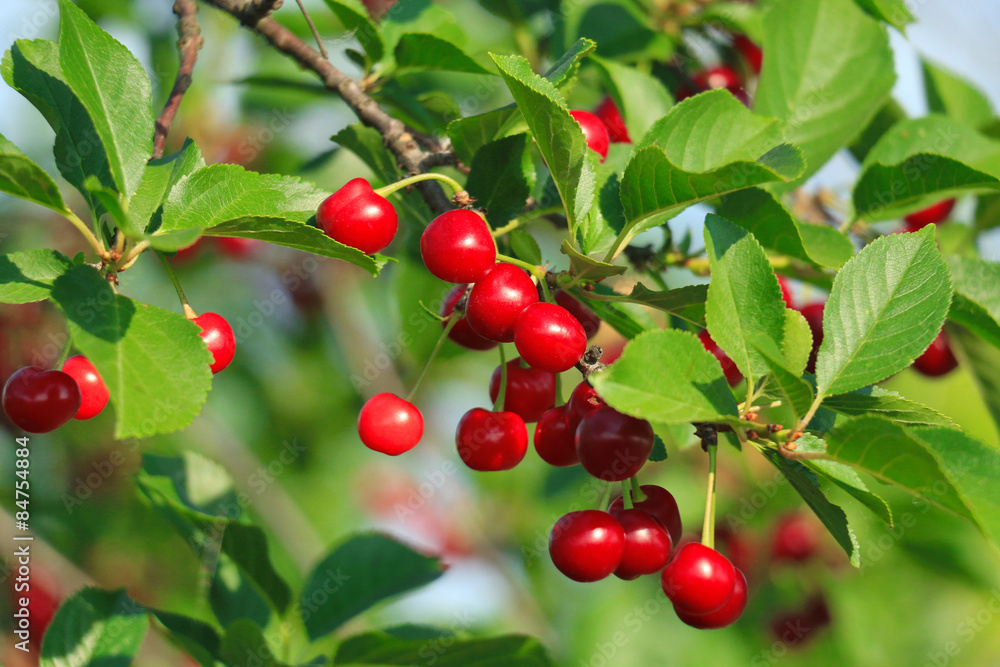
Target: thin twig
x,y
315,32
399,141
187,46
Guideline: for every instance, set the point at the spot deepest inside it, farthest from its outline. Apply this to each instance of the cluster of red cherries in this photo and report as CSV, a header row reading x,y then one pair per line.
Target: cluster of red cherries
x,y
40,401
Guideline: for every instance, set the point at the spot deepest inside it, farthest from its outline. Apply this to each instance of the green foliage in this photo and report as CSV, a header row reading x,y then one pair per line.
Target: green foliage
x,y
21,177
95,627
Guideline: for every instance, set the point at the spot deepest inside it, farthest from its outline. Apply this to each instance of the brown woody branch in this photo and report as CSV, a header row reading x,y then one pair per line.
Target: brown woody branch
x,y
188,45
399,141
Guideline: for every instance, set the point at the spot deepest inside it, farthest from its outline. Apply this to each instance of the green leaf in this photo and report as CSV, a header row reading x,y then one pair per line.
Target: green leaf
x,y
354,17
881,402
367,144
744,299
418,16
158,180
685,158
893,12
737,17
525,246
973,469
382,648
918,162
976,303
667,377
887,305
850,481
153,361
110,200
244,645
113,88
362,572
588,267
32,68
640,97
21,177
298,235
620,28
426,52
501,177
628,319
793,390
796,346
95,628
983,362
828,70
833,517
565,69
597,231
558,136
686,302
953,96
892,455
890,114
28,276
762,214
196,638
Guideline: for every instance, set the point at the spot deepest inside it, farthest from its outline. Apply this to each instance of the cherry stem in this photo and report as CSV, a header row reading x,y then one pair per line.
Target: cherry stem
x,y
452,321
626,494
64,355
429,176
708,528
637,493
185,306
606,497
502,395
536,271
94,242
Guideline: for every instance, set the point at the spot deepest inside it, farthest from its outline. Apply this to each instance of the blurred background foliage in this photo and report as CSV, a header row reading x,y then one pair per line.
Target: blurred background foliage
x,y
316,337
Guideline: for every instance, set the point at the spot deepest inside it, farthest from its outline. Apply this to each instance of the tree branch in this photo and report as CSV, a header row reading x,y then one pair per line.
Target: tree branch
x,y
399,141
187,46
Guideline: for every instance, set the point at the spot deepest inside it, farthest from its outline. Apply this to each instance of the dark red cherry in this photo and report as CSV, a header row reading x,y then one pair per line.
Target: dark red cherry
x,y
93,392
585,316
555,439
489,441
462,333
549,338
750,52
938,359
795,628
660,504
611,445
725,615
796,538
236,247
358,217
931,215
530,391
609,114
458,247
582,402
39,401
390,425
587,545
699,580
594,132
729,368
647,544
814,317
497,300
219,339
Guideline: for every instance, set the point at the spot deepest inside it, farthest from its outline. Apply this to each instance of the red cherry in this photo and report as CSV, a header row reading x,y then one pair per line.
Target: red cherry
x,y
497,300
462,332
358,217
613,446
582,402
609,114
798,626
796,538
39,401
489,441
647,544
931,215
587,545
188,253
235,247
530,391
390,425
219,339
938,359
750,52
786,292
93,392
659,504
729,368
699,580
814,317
585,316
725,615
549,338
555,439
457,247
720,76
594,132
